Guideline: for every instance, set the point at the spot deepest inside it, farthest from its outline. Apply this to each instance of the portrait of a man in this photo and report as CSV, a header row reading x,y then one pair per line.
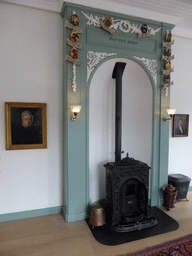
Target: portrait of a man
x,y
179,128
180,125
26,125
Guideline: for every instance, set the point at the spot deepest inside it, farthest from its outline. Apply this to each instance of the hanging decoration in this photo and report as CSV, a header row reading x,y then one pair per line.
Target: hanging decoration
x,y
124,25
167,55
73,42
74,36
143,32
167,58
71,26
106,25
75,19
74,53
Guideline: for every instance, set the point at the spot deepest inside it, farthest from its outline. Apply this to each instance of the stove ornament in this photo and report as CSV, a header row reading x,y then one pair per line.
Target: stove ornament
x,y
126,161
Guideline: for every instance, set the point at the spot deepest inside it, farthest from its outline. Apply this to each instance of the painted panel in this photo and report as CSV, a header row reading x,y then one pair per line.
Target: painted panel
x,y
120,40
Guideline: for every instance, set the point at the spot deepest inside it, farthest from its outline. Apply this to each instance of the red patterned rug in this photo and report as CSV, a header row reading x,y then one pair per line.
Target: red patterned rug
x,y
178,247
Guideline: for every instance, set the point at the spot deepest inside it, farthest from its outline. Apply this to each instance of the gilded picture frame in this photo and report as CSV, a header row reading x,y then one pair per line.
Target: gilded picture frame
x,y
180,125
25,125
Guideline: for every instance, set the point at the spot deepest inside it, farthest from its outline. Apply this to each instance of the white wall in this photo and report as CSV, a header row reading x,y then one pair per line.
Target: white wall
x,y
31,71
31,43
180,148
136,120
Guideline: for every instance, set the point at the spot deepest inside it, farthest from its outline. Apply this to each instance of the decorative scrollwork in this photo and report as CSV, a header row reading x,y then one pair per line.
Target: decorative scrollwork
x,y
94,59
151,66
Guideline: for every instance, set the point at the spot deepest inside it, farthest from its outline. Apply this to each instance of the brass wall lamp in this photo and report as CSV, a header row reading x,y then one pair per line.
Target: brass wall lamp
x,y
170,112
75,110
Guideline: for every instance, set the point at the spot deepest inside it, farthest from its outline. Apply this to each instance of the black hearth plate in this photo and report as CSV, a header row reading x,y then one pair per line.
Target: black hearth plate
x,y
106,236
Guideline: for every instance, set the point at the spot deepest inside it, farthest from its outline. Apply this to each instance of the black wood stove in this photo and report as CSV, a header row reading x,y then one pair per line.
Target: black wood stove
x,y
127,180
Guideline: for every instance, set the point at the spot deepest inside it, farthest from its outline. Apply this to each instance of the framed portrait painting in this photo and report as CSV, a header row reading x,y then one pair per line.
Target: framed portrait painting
x,y
180,125
25,125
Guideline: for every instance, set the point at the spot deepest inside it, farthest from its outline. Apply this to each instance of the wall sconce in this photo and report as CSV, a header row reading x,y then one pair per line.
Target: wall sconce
x,y
75,110
170,112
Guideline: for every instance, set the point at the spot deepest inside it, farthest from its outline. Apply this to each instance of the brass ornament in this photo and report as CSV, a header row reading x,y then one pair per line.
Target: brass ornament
x,y
144,32
108,21
144,28
74,53
168,37
74,37
167,65
75,20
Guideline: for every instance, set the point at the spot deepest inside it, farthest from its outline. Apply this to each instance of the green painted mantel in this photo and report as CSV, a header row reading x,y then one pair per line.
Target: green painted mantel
x,y
98,46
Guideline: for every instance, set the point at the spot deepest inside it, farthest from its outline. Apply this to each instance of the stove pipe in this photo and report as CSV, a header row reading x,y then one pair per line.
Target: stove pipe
x,y
117,74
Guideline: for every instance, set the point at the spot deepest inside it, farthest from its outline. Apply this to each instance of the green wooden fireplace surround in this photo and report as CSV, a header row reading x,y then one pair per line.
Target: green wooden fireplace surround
x,y
98,47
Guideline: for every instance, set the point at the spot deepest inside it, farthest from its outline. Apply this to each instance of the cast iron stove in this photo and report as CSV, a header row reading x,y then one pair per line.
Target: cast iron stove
x,y
127,180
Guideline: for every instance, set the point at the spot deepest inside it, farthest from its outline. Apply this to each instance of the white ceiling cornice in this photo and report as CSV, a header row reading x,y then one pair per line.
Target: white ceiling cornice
x,y
169,7
178,12
181,8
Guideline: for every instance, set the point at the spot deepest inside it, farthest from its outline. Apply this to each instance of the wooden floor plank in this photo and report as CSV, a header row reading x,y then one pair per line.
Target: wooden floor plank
x,y
51,235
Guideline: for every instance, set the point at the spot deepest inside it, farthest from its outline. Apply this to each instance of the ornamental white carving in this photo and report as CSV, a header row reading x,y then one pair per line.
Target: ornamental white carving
x,y
74,84
123,25
165,87
94,59
151,66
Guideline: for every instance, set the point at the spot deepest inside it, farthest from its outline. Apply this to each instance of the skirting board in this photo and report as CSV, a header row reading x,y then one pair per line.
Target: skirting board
x,y
44,212
31,214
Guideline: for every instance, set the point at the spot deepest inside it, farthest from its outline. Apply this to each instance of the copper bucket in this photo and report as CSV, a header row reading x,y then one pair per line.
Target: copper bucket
x,y
169,196
97,217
